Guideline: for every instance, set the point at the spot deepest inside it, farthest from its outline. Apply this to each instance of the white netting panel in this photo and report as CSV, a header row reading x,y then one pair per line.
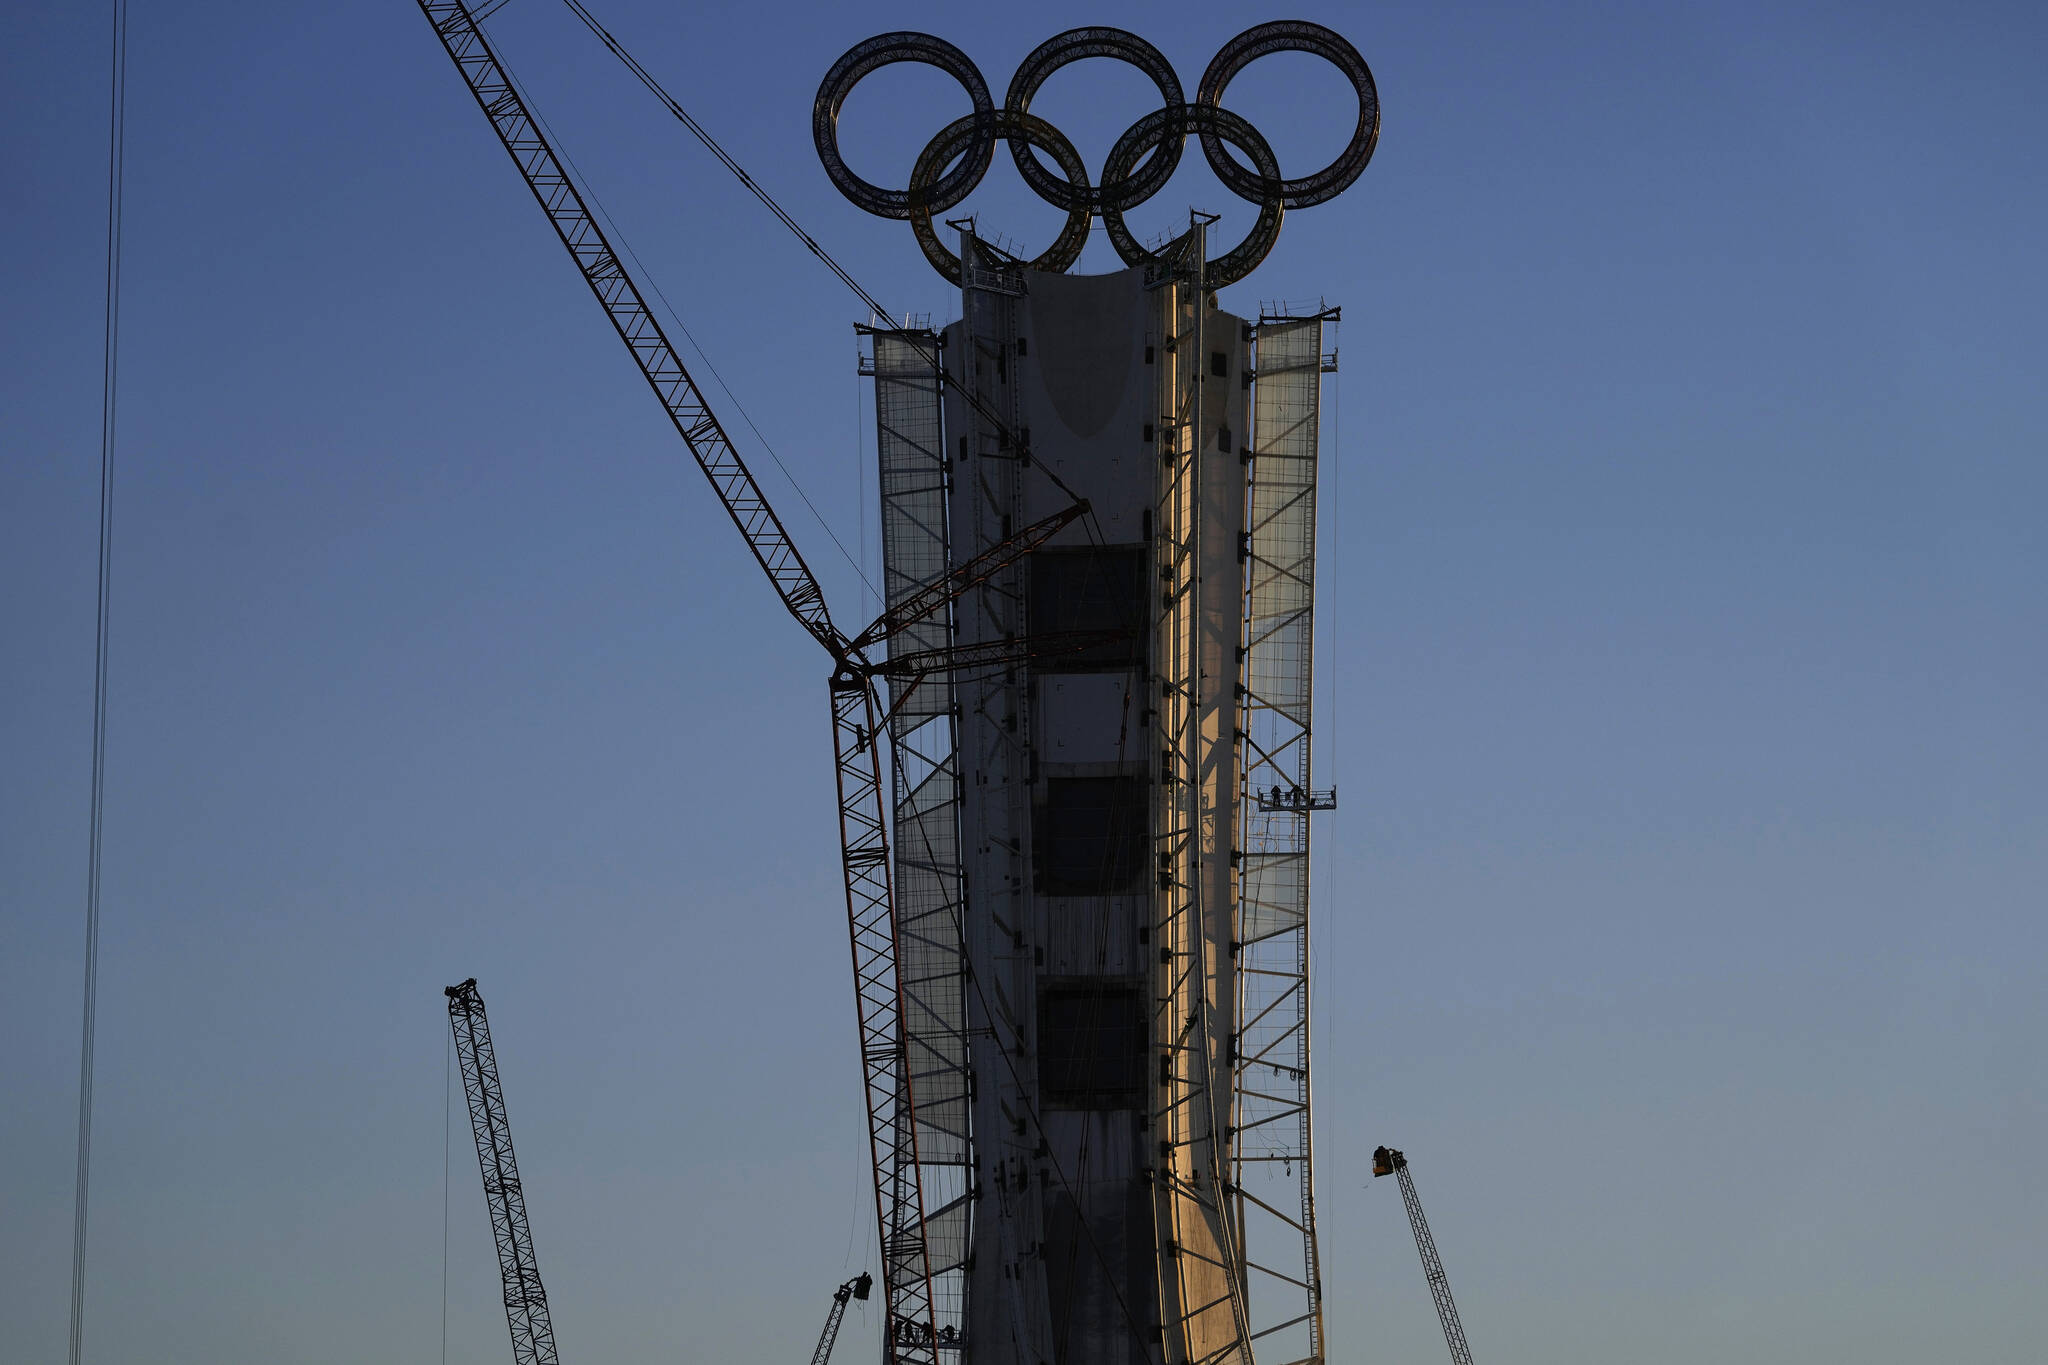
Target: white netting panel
x,y
930,956
1272,1151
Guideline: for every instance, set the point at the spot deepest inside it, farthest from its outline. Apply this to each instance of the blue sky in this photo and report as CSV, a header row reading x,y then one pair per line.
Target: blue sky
x,y
1683,643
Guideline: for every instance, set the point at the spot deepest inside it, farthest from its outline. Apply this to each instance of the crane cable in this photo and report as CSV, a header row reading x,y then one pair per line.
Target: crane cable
x,y
768,201
682,116
89,1023
615,233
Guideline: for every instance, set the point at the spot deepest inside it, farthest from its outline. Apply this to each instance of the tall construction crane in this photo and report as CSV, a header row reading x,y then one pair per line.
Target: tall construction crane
x,y
526,1302
1387,1161
855,1288
859,717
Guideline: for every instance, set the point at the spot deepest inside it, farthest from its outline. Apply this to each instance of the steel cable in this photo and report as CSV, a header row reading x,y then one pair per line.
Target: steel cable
x,y
618,235
725,158
89,1023
768,201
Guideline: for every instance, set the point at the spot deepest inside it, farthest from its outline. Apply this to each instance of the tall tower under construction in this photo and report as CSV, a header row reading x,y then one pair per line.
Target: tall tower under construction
x,y
1076,891
1101,850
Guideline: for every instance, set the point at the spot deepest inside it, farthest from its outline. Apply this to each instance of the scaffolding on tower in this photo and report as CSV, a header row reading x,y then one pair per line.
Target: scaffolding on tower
x,y
1272,1143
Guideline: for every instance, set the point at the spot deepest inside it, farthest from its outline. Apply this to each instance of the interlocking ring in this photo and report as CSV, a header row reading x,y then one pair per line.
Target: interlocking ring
x,y
1170,126
860,61
1294,36
1140,163
981,131
1079,44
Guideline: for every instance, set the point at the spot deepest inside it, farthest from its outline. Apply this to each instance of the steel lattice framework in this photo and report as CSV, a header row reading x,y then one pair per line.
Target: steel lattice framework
x,y
602,270
856,1288
1432,1263
925,770
1272,1148
526,1302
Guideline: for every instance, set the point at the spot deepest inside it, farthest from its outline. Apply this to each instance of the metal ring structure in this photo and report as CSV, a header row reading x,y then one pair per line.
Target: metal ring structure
x,y
966,136
1294,36
861,61
1139,165
1211,122
1079,44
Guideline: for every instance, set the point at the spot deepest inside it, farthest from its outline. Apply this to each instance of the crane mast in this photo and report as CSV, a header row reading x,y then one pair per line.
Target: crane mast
x,y
526,1302
1385,1160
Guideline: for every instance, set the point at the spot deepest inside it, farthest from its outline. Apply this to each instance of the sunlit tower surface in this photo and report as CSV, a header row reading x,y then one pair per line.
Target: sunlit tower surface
x,y
1102,856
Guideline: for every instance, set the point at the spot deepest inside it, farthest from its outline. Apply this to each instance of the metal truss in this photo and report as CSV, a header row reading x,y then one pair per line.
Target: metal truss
x,y
526,1302
892,1123
601,269
855,1288
925,777
1425,1246
1272,1149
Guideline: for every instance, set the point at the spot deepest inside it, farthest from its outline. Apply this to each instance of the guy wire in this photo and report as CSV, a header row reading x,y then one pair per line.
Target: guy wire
x,y
618,235
88,1029
768,201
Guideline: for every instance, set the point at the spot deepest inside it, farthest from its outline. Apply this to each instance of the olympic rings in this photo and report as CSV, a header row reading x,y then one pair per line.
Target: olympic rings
x,y
1138,166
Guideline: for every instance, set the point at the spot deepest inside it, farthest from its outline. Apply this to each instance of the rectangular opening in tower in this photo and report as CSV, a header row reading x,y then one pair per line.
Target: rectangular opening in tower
x,y
1090,837
1092,1045
1093,589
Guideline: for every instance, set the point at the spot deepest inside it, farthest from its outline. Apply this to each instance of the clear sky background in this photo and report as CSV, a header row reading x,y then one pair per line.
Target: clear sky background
x,y
1682,640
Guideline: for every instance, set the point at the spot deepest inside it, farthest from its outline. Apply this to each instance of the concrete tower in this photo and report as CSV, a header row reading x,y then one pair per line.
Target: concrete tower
x,y
1101,853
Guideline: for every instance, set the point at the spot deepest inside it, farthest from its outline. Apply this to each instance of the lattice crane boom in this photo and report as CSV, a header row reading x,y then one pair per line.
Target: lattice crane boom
x,y
910,1332
954,584
855,1288
1386,1160
526,1301
637,326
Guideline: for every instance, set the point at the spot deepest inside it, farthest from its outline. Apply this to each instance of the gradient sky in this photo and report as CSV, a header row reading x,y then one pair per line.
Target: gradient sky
x,y
1683,657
